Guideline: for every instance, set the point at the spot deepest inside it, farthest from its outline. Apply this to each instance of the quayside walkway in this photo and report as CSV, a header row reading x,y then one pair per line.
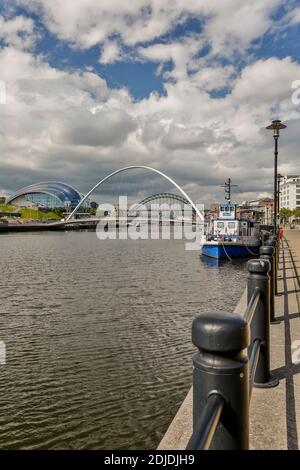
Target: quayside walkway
x,y
274,412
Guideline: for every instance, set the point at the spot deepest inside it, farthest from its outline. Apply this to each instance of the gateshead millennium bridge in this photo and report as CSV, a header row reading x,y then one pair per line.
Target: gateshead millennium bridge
x,y
183,199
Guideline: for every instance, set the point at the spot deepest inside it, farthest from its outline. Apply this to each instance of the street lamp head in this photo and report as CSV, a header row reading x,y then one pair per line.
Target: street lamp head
x,y
276,126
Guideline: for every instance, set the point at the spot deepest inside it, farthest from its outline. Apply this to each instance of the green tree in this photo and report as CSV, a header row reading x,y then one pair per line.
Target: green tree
x,y
296,213
284,214
59,212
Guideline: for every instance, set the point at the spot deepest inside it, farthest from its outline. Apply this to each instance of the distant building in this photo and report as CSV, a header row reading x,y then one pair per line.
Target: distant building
x,y
212,212
258,209
5,215
289,188
214,207
50,194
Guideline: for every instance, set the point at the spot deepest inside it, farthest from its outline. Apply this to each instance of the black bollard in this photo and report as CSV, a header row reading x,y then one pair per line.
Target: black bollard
x,y
267,237
258,276
267,252
277,257
221,367
272,242
275,238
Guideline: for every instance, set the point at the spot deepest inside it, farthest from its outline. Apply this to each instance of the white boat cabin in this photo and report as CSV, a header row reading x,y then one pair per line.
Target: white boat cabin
x,y
228,225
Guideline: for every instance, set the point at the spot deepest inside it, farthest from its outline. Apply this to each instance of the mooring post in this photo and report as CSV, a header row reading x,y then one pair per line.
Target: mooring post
x,y
275,238
272,242
258,277
221,367
267,252
277,257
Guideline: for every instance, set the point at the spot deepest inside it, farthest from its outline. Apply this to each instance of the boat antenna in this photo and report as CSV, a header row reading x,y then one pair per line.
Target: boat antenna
x,y
228,186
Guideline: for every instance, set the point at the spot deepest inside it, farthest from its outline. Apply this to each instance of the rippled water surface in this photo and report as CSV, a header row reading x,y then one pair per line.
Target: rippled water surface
x,y
97,334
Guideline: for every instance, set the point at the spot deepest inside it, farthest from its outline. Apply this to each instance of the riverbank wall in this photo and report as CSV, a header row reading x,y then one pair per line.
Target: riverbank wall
x,y
274,412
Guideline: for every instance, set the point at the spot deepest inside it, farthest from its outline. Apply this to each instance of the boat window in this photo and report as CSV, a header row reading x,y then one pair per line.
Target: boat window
x,y
220,224
231,224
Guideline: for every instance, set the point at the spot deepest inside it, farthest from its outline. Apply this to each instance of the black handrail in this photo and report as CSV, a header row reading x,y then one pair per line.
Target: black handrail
x,y
208,422
253,361
234,356
252,305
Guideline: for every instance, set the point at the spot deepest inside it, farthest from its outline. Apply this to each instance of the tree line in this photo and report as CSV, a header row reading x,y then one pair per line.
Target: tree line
x,y
285,213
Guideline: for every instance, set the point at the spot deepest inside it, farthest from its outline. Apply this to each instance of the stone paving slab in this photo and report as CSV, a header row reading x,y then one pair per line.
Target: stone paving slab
x,y
274,413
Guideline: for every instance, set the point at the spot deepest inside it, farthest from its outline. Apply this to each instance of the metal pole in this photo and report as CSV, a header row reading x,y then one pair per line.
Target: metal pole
x,y
207,423
229,190
221,366
278,195
275,182
277,253
258,277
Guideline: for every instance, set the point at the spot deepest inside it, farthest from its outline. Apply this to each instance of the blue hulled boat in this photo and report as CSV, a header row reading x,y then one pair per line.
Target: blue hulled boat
x,y
230,237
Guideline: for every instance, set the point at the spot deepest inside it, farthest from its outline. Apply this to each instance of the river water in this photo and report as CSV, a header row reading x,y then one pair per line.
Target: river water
x,y
97,334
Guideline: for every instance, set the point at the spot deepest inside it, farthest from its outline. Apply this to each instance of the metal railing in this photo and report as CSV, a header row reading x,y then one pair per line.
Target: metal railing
x,y
233,357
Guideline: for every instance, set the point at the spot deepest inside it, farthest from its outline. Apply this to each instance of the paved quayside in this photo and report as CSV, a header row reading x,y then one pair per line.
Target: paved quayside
x,y
275,412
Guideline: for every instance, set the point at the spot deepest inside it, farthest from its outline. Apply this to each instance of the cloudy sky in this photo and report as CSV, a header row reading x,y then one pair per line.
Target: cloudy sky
x,y
185,86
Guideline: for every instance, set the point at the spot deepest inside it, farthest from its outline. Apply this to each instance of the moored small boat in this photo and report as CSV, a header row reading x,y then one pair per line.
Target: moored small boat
x,y
231,237
230,249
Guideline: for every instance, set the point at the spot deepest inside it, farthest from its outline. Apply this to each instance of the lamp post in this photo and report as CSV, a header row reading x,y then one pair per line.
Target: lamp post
x,y
275,127
279,176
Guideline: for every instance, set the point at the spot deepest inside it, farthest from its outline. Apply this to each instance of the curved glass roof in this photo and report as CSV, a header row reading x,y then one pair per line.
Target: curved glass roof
x,y
62,191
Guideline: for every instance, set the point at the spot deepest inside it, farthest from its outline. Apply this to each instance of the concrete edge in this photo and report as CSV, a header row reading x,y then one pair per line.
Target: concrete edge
x,y
180,429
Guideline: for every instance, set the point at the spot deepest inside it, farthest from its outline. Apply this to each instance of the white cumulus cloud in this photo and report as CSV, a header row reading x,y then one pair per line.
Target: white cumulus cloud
x,y
18,32
71,124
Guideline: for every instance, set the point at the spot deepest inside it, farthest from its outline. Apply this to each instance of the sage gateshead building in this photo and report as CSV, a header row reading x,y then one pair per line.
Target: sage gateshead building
x,y
49,194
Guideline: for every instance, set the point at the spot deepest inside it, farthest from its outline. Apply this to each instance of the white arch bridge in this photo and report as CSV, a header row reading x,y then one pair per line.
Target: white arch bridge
x,y
182,199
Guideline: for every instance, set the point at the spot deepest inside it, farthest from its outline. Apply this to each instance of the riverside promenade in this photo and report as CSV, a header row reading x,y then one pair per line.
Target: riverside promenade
x,y
274,412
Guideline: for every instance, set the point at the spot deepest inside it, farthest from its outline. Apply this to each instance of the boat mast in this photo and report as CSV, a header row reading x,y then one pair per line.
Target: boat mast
x,y
228,186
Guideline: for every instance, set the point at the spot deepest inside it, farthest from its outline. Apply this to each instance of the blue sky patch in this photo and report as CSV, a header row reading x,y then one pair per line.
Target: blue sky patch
x,y
139,76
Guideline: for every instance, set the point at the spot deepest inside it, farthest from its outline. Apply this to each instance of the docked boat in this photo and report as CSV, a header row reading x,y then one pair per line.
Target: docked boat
x,y
230,237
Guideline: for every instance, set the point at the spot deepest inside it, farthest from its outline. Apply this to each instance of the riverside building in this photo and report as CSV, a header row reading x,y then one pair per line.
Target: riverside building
x,y
49,194
289,188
